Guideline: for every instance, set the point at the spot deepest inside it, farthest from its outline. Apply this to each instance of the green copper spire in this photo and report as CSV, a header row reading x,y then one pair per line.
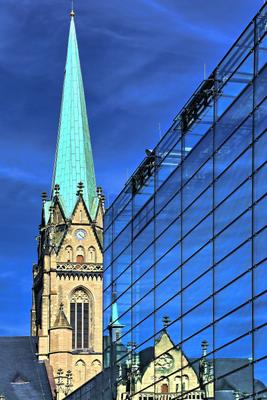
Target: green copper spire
x,y
74,159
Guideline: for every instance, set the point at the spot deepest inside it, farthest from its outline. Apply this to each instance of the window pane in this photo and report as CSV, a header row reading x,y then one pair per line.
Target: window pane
x,y
72,322
86,325
79,325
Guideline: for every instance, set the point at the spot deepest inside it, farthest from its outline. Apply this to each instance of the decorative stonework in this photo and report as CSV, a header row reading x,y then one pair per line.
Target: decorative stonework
x,y
80,296
80,267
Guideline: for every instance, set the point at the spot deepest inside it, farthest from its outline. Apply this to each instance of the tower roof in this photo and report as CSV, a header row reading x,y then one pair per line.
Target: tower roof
x,y
74,158
61,319
114,318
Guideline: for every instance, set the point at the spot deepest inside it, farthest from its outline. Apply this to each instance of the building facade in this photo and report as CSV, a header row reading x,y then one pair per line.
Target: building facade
x,y
186,240
185,272
67,279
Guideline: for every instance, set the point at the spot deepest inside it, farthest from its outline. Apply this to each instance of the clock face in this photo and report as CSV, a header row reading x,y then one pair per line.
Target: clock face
x,y
80,234
164,362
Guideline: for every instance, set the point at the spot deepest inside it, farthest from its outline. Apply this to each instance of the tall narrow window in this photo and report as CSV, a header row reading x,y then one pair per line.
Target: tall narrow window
x,y
185,382
177,383
80,367
79,318
92,254
69,254
80,255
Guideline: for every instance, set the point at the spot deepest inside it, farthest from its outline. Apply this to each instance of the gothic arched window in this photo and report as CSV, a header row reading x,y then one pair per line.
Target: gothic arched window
x,y
80,255
79,318
92,254
80,367
164,388
69,254
177,383
185,382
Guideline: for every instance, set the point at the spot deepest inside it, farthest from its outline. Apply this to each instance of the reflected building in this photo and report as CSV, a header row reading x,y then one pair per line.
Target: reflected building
x,y
186,238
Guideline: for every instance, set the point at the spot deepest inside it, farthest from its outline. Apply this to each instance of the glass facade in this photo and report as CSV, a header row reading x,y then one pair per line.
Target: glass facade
x,y
185,276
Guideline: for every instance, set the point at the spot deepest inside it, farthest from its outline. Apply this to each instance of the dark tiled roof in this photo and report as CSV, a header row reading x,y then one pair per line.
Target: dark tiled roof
x,y
22,377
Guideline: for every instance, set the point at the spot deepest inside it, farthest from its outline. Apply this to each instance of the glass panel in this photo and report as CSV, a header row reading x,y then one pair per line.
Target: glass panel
x,y
197,291
233,236
197,238
261,81
143,263
260,214
261,118
198,183
260,307
259,275
72,322
260,150
79,325
171,160
168,263
233,206
197,264
197,211
260,374
168,239
233,295
260,248
233,325
86,325
260,182
233,176
232,266
168,214
233,117
235,84
260,343
168,189
197,319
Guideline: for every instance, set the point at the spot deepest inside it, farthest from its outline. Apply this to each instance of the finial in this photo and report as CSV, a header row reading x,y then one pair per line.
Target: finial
x,y
72,13
57,188
204,345
99,191
44,197
166,320
80,187
61,307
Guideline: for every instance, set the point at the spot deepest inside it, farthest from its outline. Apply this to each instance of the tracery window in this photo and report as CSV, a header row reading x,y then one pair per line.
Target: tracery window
x,y
79,318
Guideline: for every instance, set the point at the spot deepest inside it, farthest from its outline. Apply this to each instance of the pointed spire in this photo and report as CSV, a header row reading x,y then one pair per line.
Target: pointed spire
x,y
74,158
61,319
114,318
72,13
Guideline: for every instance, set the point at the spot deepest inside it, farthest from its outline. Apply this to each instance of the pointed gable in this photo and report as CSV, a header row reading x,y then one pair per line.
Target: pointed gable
x,y
61,319
80,214
74,159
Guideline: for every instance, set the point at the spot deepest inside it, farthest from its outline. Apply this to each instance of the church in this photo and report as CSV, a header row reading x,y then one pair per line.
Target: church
x,y
63,356
65,347
66,313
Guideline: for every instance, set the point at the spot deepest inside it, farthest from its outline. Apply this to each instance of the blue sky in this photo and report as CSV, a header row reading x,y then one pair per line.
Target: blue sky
x,y
141,60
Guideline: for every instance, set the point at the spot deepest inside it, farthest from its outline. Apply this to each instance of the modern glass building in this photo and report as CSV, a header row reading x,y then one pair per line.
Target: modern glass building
x,y
185,276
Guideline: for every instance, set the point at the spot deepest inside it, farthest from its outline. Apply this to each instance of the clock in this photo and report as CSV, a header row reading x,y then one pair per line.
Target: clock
x,y
80,234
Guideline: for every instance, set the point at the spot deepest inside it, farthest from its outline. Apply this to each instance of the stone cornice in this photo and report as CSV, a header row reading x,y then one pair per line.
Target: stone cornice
x,y
85,267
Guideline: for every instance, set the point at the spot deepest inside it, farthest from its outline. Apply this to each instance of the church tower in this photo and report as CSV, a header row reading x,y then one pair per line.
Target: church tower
x,y
66,312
